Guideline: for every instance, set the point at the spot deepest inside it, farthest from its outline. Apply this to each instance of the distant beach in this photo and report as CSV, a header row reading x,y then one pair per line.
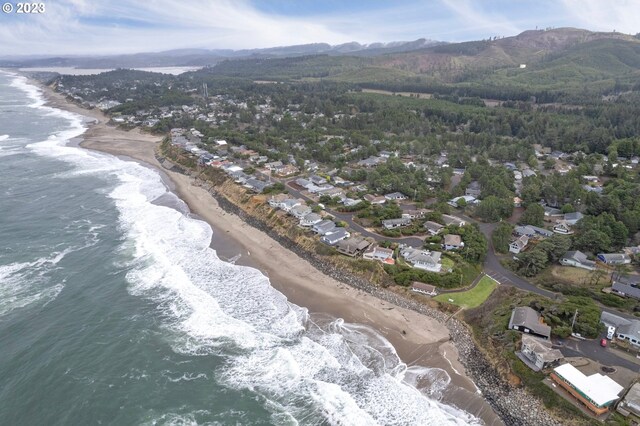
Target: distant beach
x,y
418,339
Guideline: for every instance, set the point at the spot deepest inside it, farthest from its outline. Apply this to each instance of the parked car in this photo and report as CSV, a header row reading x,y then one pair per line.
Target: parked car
x,y
603,343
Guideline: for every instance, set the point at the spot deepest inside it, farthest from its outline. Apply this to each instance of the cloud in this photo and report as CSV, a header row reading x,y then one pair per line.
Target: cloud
x,y
620,15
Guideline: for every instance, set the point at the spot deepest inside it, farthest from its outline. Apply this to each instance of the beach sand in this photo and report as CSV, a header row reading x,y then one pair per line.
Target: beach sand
x,y
418,339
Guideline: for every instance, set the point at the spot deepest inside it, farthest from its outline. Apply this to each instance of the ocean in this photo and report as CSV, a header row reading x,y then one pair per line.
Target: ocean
x,y
115,310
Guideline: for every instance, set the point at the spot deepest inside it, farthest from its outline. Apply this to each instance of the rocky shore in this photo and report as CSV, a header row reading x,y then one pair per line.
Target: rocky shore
x,y
514,405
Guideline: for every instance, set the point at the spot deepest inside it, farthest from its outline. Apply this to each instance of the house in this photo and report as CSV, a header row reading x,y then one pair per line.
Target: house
x,y
468,199
524,230
395,223
310,219
573,218
538,354
452,242
414,214
627,286
304,183
474,189
541,231
578,259
517,202
597,392
433,227
562,228
375,199
256,185
371,161
300,211
630,404
614,258
527,320
324,227
338,235
630,332
287,205
274,165
332,192
551,212
422,288
452,220
380,254
519,244
287,170
276,200
396,196
317,180
352,246
422,259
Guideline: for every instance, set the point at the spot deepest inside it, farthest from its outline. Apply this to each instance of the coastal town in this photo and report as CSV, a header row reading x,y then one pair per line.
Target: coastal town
x,y
447,227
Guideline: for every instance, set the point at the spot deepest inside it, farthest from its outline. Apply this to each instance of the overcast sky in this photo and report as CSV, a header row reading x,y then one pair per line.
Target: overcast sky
x,y
129,26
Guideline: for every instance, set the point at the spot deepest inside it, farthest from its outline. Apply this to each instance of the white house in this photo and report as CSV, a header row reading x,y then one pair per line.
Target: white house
x,y
577,259
310,219
300,211
422,259
519,244
338,235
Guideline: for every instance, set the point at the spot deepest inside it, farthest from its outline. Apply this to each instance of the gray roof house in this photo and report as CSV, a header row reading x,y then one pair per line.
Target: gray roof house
x,y
352,246
422,259
573,218
323,227
310,219
614,258
338,234
578,259
300,211
396,196
453,242
630,332
433,227
256,185
630,404
519,244
452,220
524,230
395,223
537,353
527,320
627,286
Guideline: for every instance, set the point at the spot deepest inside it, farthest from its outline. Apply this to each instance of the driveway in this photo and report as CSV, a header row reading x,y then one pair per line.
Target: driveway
x,y
591,349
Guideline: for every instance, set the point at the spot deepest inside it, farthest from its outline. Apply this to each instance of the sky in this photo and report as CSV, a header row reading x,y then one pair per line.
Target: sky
x,y
99,27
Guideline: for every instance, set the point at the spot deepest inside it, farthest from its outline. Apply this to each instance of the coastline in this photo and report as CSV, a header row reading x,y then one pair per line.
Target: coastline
x,y
419,339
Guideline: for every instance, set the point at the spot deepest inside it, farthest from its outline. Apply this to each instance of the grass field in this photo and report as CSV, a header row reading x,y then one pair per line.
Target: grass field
x,y
470,298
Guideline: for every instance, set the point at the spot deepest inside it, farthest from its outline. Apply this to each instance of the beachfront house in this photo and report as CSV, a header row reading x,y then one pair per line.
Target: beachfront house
x,y
597,392
288,204
310,220
352,246
300,211
538,354
380,254
338,234
527,320
426,289
324,227
422,259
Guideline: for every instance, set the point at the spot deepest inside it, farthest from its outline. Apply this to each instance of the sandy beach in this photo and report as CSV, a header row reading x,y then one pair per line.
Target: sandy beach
x,y
418,339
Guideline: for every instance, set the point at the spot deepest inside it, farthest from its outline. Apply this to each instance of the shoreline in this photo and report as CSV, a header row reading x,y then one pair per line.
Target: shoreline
x,y
418,333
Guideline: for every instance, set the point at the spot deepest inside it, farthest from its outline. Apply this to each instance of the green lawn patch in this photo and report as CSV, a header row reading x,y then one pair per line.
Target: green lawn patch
x,y
470,298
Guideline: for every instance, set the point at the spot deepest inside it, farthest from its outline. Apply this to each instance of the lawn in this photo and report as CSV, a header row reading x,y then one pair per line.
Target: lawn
x,y
470,298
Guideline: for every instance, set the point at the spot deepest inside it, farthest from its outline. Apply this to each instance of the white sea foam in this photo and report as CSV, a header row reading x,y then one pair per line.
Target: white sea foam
x,y
307,371
4,137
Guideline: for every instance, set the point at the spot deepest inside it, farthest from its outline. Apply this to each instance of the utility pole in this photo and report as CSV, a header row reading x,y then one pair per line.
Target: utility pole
x,y
574,320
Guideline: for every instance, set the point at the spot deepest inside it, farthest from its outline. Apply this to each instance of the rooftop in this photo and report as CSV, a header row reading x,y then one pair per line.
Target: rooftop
x,y
598,388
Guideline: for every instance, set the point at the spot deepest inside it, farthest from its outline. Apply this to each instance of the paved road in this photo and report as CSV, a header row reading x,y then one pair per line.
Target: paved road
x,y
494,268
592,349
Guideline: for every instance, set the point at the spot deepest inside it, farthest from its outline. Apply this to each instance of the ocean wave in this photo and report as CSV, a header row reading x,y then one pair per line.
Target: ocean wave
x,y
4,137
311,372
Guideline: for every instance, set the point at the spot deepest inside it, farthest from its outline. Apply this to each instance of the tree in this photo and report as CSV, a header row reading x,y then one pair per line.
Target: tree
x,y
531,262
461,203
492,208
593,241
555,247
501,237
533,215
